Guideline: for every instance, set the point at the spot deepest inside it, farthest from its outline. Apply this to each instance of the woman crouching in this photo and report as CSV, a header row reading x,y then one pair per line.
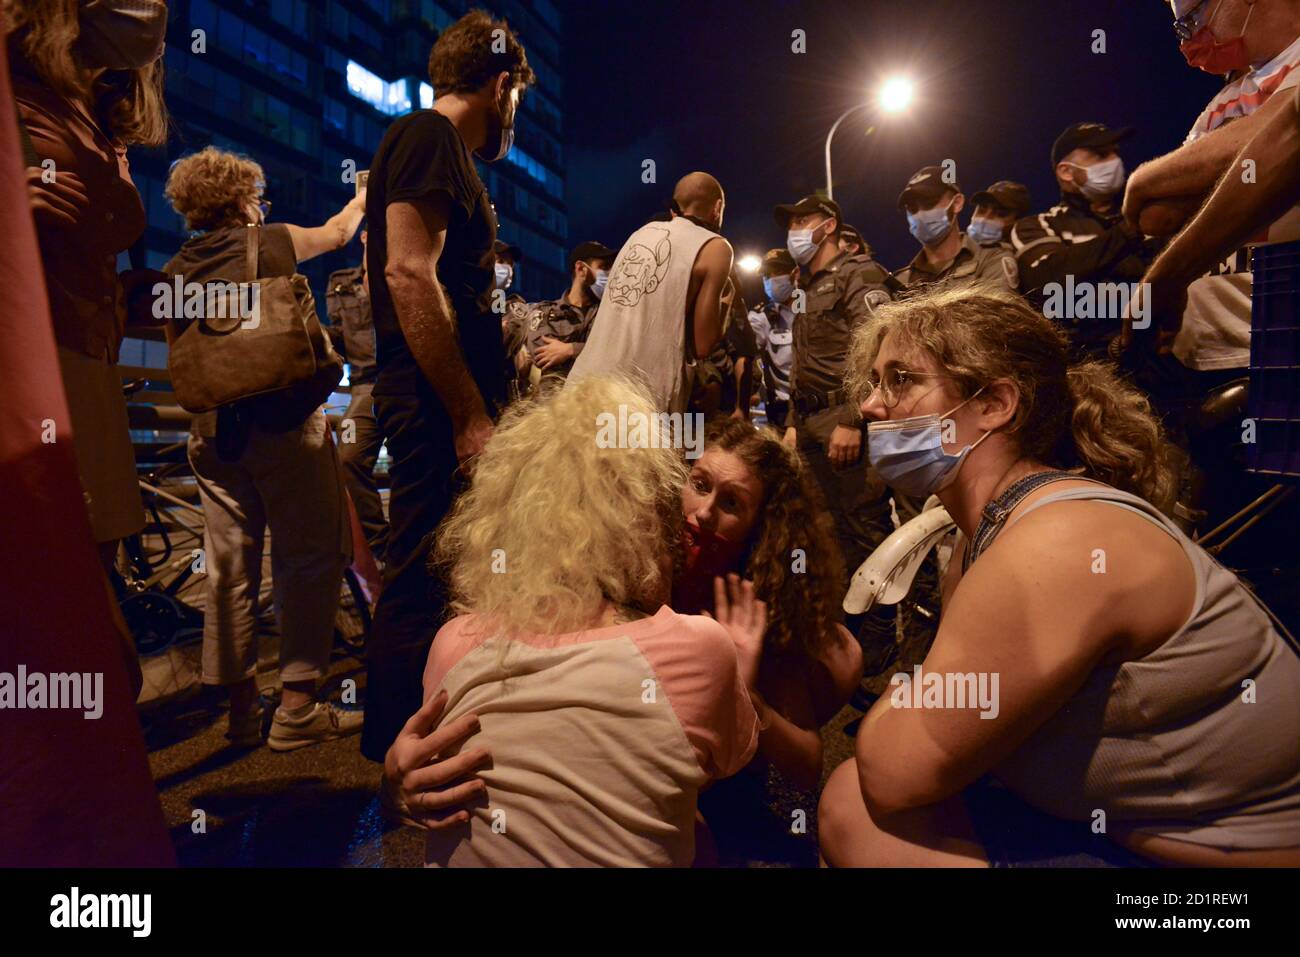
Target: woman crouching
x,y
604,711
1129,720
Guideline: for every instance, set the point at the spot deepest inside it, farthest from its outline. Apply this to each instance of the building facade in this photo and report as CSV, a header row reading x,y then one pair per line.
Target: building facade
x,y
307,89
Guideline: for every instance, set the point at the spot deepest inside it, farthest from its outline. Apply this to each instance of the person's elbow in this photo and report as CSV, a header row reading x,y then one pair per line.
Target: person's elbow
x,y
885,791
402,273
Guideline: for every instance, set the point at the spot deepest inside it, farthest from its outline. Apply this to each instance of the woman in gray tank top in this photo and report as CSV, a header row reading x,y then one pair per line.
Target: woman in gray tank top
x,y
1092,662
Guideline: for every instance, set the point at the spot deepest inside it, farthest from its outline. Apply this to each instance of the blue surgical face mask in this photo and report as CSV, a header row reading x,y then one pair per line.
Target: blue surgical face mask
x,y
908,453
504,274
929,226
800,244
778,288
985,231
598,286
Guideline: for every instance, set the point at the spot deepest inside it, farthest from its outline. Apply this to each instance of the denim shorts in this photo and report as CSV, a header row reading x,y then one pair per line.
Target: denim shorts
x,y
1017,835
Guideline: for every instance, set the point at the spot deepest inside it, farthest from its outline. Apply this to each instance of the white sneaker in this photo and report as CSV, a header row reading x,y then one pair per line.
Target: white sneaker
x,y
324,722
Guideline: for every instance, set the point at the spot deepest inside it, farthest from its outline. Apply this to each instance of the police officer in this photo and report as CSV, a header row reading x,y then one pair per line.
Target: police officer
x,y
506,256
841,293
1083,239
851,242
997,209
933,201
773,325
555,332
347,303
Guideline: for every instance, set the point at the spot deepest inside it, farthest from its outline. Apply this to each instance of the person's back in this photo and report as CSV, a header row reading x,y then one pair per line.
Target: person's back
x,y
600,739
640,328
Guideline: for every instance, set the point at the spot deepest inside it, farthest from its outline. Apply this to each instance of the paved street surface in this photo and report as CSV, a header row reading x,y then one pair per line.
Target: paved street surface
x,y
315,807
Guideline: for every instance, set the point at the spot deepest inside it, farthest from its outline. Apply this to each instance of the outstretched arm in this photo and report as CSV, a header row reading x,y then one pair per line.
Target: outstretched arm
x,y
335,233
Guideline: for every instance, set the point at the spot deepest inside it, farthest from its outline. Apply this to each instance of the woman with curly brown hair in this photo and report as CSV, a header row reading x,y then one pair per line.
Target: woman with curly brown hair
x,y
1130,698
259,468
604,710
87,79
752,509
748,508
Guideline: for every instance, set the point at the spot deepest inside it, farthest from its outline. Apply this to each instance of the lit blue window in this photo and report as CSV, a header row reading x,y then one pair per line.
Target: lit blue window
x,y
389,98
365,85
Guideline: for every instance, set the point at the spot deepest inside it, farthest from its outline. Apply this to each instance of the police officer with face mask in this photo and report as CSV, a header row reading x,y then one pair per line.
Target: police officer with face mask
x,y
554,332
1083,241
773,325
840,294
505,258
933,201
997,210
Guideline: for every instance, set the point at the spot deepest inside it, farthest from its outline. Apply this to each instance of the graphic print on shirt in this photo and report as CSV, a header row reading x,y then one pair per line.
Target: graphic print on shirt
x,y
640,272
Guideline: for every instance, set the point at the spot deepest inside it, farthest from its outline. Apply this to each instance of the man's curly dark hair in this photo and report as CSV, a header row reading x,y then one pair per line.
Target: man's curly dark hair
x,y
801,605
471,52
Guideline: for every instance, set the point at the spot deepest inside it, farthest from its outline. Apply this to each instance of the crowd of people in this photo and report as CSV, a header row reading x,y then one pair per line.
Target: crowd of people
x,y
588,652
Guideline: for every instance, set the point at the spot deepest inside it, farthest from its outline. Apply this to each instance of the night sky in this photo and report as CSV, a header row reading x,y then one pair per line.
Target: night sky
x,y
713,85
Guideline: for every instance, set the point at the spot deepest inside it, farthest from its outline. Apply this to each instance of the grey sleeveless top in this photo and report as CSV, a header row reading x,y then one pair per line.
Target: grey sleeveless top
x,y
1199,740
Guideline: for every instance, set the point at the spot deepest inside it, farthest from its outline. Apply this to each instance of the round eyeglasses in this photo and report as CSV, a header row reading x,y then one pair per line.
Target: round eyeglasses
x,y
895,382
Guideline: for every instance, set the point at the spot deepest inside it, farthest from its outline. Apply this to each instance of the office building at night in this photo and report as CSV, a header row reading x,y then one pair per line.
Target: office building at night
x,y
307,90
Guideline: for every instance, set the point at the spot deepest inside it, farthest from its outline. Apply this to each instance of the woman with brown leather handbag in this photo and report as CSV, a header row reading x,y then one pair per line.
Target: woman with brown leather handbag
x,y
265,460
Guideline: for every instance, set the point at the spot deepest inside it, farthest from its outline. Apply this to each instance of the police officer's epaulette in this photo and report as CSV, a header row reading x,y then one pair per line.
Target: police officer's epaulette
x,y
885,277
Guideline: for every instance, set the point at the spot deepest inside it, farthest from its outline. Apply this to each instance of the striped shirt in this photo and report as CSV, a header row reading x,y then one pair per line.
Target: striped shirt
x,y
1216,324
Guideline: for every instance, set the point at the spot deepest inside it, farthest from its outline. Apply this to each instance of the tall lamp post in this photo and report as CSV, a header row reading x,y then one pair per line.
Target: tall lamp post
x,y
895,96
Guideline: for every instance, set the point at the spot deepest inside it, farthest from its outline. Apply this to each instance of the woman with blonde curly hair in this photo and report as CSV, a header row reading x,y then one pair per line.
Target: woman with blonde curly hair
x,y
259,467
604,710
1097,664
748,507
87,81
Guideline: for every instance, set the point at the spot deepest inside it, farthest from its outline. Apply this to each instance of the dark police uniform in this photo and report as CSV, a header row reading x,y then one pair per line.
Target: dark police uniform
x,y
839,298
1070,239
360,438
561,320
994,263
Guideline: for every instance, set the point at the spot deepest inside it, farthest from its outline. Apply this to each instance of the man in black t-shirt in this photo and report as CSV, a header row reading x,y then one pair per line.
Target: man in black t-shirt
x,y
440,355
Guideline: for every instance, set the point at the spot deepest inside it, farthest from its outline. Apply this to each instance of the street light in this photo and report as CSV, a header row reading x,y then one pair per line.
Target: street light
x,y
750,263
895,96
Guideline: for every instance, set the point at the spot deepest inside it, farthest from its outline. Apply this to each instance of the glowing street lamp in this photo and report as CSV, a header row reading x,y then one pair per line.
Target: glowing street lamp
x,y
897,94
894,96
749,263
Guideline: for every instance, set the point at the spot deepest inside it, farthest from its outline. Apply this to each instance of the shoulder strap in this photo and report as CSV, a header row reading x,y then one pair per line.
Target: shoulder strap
x,y
995,512
254,241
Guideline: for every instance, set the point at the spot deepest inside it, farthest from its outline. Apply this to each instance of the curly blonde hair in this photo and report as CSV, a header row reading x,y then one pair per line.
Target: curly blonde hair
x,y
553,525
801,607
1082,418
210,188
128,104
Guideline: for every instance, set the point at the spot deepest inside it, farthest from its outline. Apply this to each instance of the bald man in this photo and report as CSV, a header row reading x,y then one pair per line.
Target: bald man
x,y
663,305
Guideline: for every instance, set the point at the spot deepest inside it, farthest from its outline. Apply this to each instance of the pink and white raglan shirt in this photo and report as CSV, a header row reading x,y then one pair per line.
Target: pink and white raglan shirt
x,y
600,740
